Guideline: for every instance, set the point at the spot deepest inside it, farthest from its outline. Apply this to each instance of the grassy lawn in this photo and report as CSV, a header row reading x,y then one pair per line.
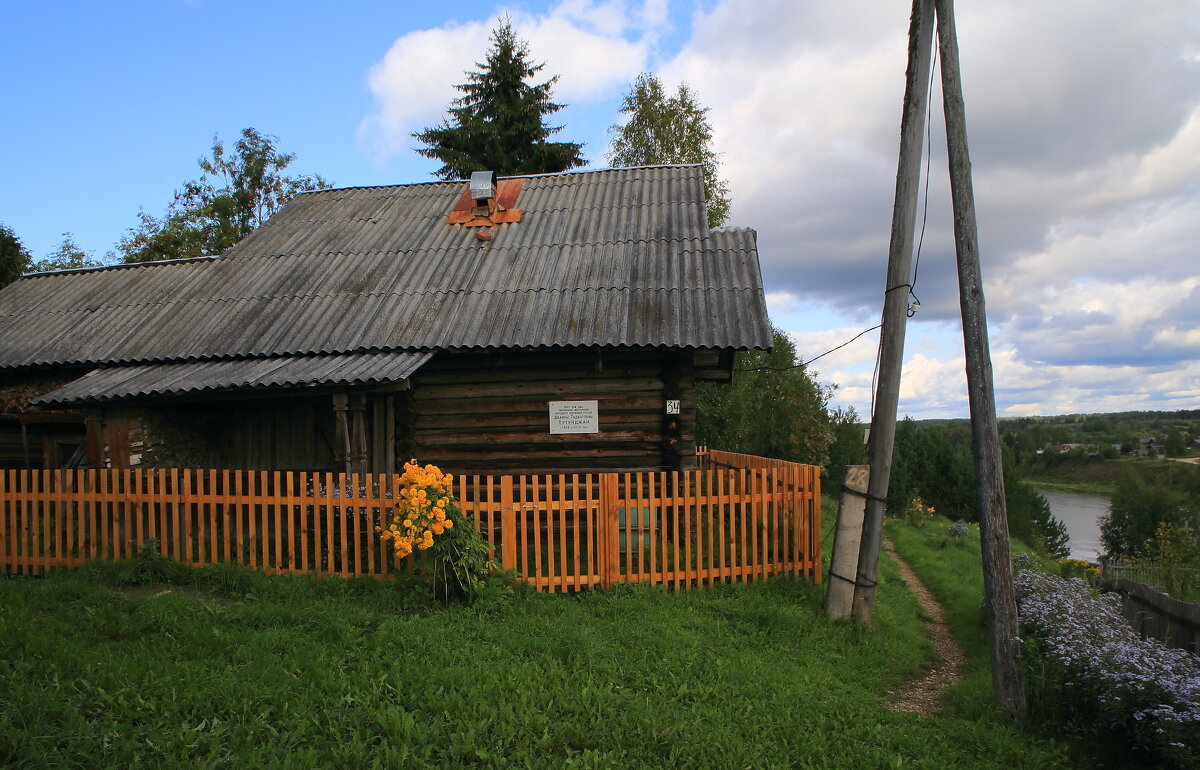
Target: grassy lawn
x,y
231,669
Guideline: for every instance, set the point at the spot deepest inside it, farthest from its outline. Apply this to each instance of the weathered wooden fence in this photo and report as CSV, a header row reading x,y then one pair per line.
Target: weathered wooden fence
x,y
1152,613
1148,609
741,518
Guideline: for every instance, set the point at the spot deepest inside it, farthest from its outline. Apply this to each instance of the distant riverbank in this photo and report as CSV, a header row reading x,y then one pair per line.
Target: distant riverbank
x,y
1095,476
1072,487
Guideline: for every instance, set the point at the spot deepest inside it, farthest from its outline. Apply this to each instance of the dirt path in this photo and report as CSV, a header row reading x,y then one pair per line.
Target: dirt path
x,y
922,695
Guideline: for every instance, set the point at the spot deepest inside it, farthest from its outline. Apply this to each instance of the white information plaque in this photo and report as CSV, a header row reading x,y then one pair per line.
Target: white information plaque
x,y
574,417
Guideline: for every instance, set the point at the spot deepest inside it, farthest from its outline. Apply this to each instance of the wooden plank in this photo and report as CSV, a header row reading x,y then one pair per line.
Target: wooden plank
x,y
78,497
374,482
743,523
302,503
200,492
801,519
535,510
280,498
543,373
100,547
208,547
636,540
551,390
536,361
508,523
595,575
343,566
608,435
758,497
38,520
86,513
561,539
575,507
57,519
686,478
6,505
814,523
259,524
526,547
327,539
768,522
658,495
222,516
792,519
187,484
242,484
168,522
709,526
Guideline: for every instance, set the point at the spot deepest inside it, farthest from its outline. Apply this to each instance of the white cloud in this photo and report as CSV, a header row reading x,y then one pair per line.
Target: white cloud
x,y
415,80
594,48
1085,150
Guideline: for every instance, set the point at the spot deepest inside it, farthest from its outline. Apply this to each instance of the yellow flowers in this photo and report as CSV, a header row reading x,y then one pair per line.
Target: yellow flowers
x,y
420,513
917,513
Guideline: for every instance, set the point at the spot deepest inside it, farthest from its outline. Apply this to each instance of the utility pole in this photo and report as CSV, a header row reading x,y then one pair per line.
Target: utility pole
x,y
843,562
999,597
895,304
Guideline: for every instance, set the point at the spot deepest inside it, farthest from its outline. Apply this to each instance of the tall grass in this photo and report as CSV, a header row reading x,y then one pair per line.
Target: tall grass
x,y
225,668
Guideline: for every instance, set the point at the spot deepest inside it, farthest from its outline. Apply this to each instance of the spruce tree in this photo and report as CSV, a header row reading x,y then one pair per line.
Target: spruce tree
x,y
673,129
498,123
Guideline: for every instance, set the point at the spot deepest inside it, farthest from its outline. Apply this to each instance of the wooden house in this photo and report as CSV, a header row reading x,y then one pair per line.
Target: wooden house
x,y
544,323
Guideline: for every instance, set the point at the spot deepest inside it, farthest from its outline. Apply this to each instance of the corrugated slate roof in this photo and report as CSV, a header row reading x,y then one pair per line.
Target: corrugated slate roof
x,y
612,257
196,377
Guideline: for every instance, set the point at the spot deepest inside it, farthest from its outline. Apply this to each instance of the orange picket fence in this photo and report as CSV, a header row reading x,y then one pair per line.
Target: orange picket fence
x,y
738,518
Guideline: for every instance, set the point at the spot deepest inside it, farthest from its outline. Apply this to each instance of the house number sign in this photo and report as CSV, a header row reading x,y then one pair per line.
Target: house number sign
x,y
574,417
672,407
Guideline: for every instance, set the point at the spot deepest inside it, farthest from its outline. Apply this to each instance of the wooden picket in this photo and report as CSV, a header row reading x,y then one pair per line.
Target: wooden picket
x,y
739,518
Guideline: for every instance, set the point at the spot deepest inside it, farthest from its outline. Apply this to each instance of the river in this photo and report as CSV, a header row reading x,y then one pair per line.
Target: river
x,y
1081,514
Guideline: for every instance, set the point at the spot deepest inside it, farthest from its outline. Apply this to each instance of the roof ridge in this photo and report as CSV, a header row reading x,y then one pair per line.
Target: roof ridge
x,y
120,266
460,182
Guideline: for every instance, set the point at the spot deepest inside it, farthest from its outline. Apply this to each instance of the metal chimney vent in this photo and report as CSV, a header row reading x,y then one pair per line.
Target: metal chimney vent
x,y
483,186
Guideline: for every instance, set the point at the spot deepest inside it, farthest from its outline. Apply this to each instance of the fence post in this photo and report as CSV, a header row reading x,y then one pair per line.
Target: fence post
x,y
4,507
508,524
608,530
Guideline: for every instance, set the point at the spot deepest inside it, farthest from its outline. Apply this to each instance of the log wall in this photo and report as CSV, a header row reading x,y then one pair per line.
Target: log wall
x,y
490,411
30,439
283,433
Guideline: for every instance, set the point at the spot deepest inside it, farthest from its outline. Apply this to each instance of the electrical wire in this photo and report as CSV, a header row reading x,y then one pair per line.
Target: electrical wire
x,y
928,160
912,285
809,361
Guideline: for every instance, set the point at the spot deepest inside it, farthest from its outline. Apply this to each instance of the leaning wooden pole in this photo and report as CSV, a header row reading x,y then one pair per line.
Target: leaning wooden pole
x,y
843,561
895,303
999,598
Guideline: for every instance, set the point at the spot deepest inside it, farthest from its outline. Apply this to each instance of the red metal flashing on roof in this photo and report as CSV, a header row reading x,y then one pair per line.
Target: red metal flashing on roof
x,y
500,208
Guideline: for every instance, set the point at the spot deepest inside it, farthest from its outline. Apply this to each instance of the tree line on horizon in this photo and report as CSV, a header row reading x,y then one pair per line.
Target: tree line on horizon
x,y
498,124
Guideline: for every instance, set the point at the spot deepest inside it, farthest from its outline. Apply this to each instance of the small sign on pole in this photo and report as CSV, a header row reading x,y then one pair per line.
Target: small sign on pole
x,y
574,417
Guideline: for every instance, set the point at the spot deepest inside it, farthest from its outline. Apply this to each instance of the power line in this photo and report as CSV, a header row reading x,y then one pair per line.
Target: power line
x,y
809,361
916,303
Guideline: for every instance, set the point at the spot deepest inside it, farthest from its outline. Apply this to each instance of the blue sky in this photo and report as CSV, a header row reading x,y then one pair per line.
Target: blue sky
x,y
1085,143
